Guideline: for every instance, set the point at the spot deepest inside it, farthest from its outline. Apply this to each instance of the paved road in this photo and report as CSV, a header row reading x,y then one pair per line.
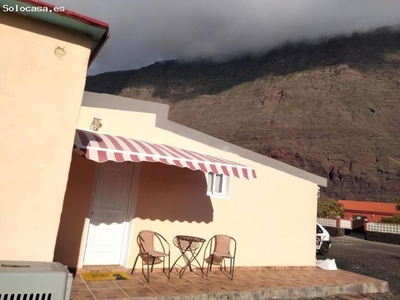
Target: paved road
x,y
378,260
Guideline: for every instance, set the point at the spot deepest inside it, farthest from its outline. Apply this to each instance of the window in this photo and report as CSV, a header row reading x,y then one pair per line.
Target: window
x,y
218,185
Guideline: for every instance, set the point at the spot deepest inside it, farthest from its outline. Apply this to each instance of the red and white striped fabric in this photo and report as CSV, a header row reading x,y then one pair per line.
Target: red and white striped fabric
x,y
102,147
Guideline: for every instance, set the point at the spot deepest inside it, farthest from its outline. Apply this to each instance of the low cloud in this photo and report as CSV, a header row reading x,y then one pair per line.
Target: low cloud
x,y
145,31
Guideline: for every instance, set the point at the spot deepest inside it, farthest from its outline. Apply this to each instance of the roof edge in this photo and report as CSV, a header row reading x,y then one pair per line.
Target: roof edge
x,y
68,13
77,17
243,152
92,99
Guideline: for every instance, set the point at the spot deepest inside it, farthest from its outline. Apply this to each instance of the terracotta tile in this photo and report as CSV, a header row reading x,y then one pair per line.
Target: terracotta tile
x,y
109,293
156,281
167,290
176,278
81,295
129,283
79,285
78,278
184,284
230,288
192,282
101,284
192,289
187,274
139,292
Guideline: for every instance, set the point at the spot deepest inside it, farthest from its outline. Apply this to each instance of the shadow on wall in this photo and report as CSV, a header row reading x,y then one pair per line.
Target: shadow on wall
x,y
173,193
75,210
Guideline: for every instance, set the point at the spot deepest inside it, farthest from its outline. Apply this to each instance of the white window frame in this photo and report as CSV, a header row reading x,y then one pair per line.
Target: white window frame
x,y
224,192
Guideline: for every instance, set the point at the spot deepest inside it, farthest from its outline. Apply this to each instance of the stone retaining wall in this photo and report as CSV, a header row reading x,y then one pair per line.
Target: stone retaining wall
x,y
333,231
382,237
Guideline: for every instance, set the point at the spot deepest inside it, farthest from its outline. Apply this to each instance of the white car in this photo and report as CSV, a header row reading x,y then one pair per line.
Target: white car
x,y
323,240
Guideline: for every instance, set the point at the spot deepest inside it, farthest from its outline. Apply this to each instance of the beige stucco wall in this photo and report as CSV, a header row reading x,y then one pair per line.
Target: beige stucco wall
x,y
74,217
277,219
272,217
40,97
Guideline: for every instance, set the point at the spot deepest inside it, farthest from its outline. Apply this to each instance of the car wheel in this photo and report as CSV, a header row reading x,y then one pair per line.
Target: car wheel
x,y
324,249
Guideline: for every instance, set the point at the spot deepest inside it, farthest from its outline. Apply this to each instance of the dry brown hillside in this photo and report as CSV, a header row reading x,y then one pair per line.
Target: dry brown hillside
x,y
331,108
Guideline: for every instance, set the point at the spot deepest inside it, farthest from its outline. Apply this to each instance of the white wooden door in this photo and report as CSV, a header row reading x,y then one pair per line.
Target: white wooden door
x,y
108,216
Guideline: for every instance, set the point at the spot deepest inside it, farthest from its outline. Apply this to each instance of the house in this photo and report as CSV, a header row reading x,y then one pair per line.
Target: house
x,y
372,211
80,178
44,59
177,181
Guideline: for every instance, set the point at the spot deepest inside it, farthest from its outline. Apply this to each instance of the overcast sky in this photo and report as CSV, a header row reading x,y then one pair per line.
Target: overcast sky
x,y
145,31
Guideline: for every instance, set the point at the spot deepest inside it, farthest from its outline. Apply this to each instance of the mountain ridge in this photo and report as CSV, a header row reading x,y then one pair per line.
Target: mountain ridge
x,y
329,108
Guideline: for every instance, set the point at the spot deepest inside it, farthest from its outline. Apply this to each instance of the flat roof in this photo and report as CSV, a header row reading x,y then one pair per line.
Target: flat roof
x,y
370,206
98,30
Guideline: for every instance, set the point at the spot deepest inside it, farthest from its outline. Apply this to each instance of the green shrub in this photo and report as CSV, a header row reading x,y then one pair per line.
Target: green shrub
x,y
397,201
330,208
395,219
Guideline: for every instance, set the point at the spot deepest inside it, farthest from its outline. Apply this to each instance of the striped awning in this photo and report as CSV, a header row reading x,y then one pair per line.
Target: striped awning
x,y
102,147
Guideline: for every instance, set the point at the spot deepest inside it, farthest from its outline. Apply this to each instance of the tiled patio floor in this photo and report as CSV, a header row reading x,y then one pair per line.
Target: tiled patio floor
x,y
247,284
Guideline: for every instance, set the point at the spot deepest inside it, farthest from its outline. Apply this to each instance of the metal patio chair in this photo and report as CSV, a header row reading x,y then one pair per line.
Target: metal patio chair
x,y
218,249
148,241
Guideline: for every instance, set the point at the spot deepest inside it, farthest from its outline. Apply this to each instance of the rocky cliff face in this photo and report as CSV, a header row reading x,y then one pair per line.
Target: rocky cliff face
x,y
331,108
